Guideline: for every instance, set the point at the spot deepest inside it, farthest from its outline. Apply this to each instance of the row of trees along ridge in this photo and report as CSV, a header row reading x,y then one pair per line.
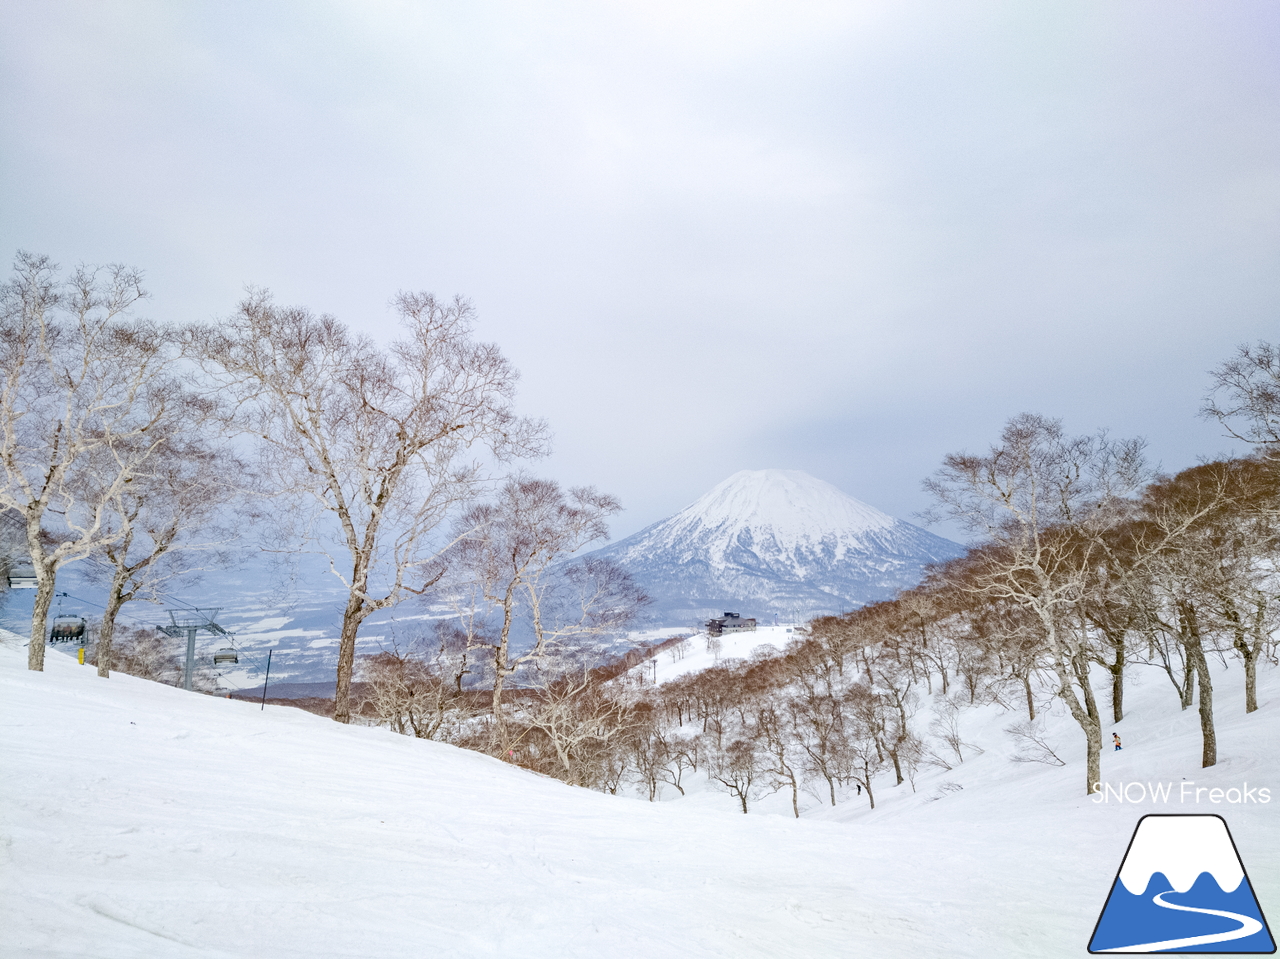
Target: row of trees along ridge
x,y
1085,566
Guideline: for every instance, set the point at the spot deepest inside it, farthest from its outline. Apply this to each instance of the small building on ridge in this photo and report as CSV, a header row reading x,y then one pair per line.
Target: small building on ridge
x,y
730,623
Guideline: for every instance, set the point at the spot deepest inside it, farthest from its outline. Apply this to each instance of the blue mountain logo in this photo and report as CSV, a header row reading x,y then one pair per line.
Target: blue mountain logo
x,y
1182,888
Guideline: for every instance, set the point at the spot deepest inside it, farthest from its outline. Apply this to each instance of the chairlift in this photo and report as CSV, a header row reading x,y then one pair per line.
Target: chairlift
x,y
22,577
227,654
67,629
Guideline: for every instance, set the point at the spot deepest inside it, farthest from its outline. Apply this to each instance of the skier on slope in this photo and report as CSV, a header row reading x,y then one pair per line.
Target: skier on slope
x,y
1116,738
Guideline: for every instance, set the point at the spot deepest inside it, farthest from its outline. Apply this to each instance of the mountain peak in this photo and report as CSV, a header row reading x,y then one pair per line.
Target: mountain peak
x,y
783,500
775,542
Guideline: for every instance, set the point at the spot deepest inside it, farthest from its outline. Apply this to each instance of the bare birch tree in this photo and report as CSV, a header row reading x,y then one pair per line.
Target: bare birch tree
x,y
581,720
1039,498
417,691
511,548
1207,553
818,721
168,522
737,767
369,448
781,755
86,396
1245,395
864,757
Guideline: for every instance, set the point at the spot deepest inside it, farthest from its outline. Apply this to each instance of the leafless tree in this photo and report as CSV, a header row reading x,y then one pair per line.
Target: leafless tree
x,y
818,723
1245,395
612,771
418,691
1239,595
865,758
369,447
998,641
147,654
737,767
1105,611
581,720
648,750
1033,744
680,755
923,613
896,704
839,638
168,521
1205,552
780,753
13,545
512,553
1040,498
946,726
87,397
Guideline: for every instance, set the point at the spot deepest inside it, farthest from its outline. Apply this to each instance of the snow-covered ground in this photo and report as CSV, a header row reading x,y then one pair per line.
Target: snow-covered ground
x,y
671,664
137,820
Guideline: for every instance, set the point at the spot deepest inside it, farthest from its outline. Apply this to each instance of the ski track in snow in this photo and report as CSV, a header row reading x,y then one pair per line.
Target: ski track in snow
x,y
1248,926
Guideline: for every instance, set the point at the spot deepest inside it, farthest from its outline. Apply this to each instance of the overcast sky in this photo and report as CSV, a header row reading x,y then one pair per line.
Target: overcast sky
x,y
846,238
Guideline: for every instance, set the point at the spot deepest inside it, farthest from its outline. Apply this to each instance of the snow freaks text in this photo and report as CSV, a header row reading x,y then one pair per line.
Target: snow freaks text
x,y
1179,792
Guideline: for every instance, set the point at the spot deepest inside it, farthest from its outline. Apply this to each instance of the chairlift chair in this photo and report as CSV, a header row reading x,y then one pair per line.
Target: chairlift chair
x,y
22,577
67,629
227,654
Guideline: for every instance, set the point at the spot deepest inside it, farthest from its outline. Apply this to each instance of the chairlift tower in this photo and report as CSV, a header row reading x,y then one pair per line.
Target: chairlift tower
x,y
188,622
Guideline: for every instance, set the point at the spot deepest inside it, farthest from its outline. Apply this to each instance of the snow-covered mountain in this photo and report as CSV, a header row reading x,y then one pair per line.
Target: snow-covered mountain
x,y
775,542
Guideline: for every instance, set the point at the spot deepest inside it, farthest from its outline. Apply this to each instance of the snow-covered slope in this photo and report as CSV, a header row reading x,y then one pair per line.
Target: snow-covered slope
x,y
139,820
697,654
775,542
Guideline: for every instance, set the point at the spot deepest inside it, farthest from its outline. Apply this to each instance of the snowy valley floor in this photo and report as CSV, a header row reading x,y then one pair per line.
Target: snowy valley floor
x,y
137,820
